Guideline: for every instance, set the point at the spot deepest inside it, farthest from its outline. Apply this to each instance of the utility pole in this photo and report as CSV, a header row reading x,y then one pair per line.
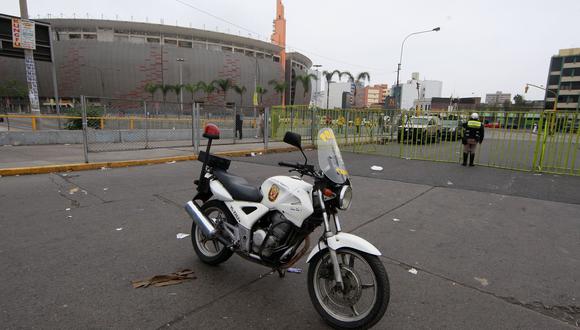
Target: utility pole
x,y
30,68
180,61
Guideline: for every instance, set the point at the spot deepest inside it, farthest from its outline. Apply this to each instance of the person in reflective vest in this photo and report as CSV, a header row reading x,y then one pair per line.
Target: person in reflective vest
x,y
472,135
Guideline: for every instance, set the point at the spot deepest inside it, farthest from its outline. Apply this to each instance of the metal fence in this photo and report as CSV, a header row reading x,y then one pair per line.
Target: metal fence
x,y
527,141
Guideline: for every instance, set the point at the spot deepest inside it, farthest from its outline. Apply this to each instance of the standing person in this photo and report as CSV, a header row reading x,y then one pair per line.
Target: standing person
x,y
239,124
472,135
261,124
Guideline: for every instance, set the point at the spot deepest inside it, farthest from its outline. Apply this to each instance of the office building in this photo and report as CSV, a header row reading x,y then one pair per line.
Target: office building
x,y
564,80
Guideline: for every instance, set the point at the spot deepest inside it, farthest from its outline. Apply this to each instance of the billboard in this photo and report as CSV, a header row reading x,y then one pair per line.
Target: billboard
x,y
23,35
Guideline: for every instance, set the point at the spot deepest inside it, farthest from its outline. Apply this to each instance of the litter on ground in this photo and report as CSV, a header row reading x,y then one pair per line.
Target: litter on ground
x,y
376,168
181,235
413,271
396,220
165,280
294,270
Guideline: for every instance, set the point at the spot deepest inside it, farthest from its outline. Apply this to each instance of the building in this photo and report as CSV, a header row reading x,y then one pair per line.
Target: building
x,y
107,58
340,95
318,98
564,80
416,89
374,95
498,98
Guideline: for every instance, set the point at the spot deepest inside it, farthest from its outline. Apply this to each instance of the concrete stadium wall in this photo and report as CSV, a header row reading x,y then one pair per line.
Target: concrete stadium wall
x,y
122,69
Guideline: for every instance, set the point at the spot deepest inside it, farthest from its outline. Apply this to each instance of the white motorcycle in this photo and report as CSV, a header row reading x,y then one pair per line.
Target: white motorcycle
x,y
347,282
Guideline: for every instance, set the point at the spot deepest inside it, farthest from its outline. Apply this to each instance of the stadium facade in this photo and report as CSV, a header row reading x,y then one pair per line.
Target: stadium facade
x,y
118,59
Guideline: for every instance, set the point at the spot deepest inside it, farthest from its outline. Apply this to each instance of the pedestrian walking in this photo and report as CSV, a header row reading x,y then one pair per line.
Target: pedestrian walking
x,y
261,124
473,132
239,124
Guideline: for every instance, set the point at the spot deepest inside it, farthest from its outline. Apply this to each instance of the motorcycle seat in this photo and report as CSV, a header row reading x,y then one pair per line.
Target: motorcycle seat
x,y
238,187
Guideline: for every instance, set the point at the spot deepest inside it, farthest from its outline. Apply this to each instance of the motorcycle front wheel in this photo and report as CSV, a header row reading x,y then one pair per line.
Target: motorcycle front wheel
x,y
365,297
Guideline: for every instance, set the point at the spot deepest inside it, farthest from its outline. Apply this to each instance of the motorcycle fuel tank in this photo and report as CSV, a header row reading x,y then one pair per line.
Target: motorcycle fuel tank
x,y
289,195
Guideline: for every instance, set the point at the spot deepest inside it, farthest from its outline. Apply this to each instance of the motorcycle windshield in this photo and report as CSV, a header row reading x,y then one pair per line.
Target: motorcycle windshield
x,y
329,157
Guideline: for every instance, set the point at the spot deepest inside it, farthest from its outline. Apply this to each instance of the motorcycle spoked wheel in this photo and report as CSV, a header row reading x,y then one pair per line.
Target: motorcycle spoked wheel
x,y
365,298
211,251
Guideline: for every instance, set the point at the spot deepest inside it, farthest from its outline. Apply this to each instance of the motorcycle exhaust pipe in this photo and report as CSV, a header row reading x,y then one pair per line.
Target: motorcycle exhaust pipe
x,y
200,219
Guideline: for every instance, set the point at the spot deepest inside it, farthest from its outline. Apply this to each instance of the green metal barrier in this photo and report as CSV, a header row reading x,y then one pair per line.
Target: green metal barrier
x,y
516,140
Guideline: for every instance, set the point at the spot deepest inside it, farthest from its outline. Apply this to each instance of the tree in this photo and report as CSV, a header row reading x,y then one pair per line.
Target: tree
x,y
260,91
360,79
223,85
240,90
151,88
305,81
519,100
328,75
192,88
206,88
279,88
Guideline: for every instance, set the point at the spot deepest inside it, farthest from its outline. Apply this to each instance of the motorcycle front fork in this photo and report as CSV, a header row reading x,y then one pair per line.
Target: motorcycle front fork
x,y
328,233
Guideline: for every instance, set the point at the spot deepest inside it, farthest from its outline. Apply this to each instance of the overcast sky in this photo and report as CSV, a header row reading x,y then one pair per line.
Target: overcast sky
x,y
483,46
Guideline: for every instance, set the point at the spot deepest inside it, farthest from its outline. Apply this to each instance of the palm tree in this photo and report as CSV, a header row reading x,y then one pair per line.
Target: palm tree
x,y
305,80
224,85
206,88
360,78
151,88
240,90
279,88
177,89
164,90
328,75
260,91
192,88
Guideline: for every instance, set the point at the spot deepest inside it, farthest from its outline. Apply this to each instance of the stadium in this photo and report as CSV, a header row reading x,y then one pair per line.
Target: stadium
x,y
118,59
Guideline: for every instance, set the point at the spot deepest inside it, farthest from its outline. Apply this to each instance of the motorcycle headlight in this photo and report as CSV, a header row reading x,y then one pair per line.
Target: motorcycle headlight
x,y
345,197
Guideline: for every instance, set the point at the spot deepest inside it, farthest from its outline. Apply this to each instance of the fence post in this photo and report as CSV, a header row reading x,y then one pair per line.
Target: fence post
x,y
235,126
540,143
312,116
266,127
146,124
33,122
195,127
84,120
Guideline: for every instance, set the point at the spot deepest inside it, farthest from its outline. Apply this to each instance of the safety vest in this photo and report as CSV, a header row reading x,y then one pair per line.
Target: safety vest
x,y
473,124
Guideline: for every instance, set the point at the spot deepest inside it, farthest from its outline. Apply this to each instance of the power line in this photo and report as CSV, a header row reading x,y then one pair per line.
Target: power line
x,y
260,35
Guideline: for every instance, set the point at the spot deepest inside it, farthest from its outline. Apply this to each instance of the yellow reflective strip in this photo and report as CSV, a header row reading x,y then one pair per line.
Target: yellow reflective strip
x,y
473,124
341,171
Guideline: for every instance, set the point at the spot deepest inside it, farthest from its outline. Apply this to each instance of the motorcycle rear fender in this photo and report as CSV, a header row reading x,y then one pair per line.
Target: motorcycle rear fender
x,y
344,240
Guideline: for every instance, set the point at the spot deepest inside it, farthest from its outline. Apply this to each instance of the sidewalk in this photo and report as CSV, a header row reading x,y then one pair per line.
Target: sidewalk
x,y
12,157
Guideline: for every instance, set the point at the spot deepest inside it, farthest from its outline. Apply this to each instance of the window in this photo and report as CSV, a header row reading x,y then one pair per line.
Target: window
x,y
569,72
260,55
249,53
276,58
238,50
90,36
569,59
172,42
556,64
553,80
153,40
185,44
74,36
227,49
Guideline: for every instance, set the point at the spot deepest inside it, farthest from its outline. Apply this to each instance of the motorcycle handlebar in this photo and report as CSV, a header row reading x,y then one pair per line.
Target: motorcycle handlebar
x,y
288,164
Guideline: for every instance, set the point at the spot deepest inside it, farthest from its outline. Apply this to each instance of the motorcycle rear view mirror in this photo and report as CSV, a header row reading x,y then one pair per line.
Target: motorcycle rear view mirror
x,y
293,139
211,131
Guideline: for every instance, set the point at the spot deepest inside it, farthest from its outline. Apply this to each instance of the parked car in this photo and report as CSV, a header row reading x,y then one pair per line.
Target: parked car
x,y
451,129
420,128
492,125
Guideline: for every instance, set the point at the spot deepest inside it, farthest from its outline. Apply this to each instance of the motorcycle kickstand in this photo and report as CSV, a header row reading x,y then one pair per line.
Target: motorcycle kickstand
x,y
281,272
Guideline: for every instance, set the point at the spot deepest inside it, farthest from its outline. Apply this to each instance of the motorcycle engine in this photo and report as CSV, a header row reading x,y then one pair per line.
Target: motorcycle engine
x,y
271,234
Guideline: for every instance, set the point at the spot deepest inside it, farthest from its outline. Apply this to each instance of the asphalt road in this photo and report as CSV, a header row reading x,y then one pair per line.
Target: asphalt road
x,y
493,249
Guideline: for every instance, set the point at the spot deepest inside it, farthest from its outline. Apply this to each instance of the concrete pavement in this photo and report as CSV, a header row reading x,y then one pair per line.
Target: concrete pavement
x,y
490,251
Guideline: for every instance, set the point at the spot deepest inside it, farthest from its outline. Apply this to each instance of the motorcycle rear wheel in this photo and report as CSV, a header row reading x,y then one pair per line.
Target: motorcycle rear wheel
x,y
211,251
361,273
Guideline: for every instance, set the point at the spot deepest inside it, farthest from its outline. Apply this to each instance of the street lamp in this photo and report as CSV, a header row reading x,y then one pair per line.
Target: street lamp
x,y
316,94
437,29
180,61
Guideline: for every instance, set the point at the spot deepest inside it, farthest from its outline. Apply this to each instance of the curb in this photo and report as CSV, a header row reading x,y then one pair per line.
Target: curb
x,y
128,163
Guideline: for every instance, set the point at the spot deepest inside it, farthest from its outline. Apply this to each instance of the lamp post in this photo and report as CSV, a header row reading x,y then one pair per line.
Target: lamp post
x,y
401,60
316,94
180,61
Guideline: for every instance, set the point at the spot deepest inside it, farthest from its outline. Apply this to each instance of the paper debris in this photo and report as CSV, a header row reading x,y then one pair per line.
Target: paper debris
x,y
413,271
171,162
412,230
181,235
84,192
376,168
105,189
396,220
104,168
70,216
165,280
482,281
294,270
67,209
73,191
449,183
119,229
